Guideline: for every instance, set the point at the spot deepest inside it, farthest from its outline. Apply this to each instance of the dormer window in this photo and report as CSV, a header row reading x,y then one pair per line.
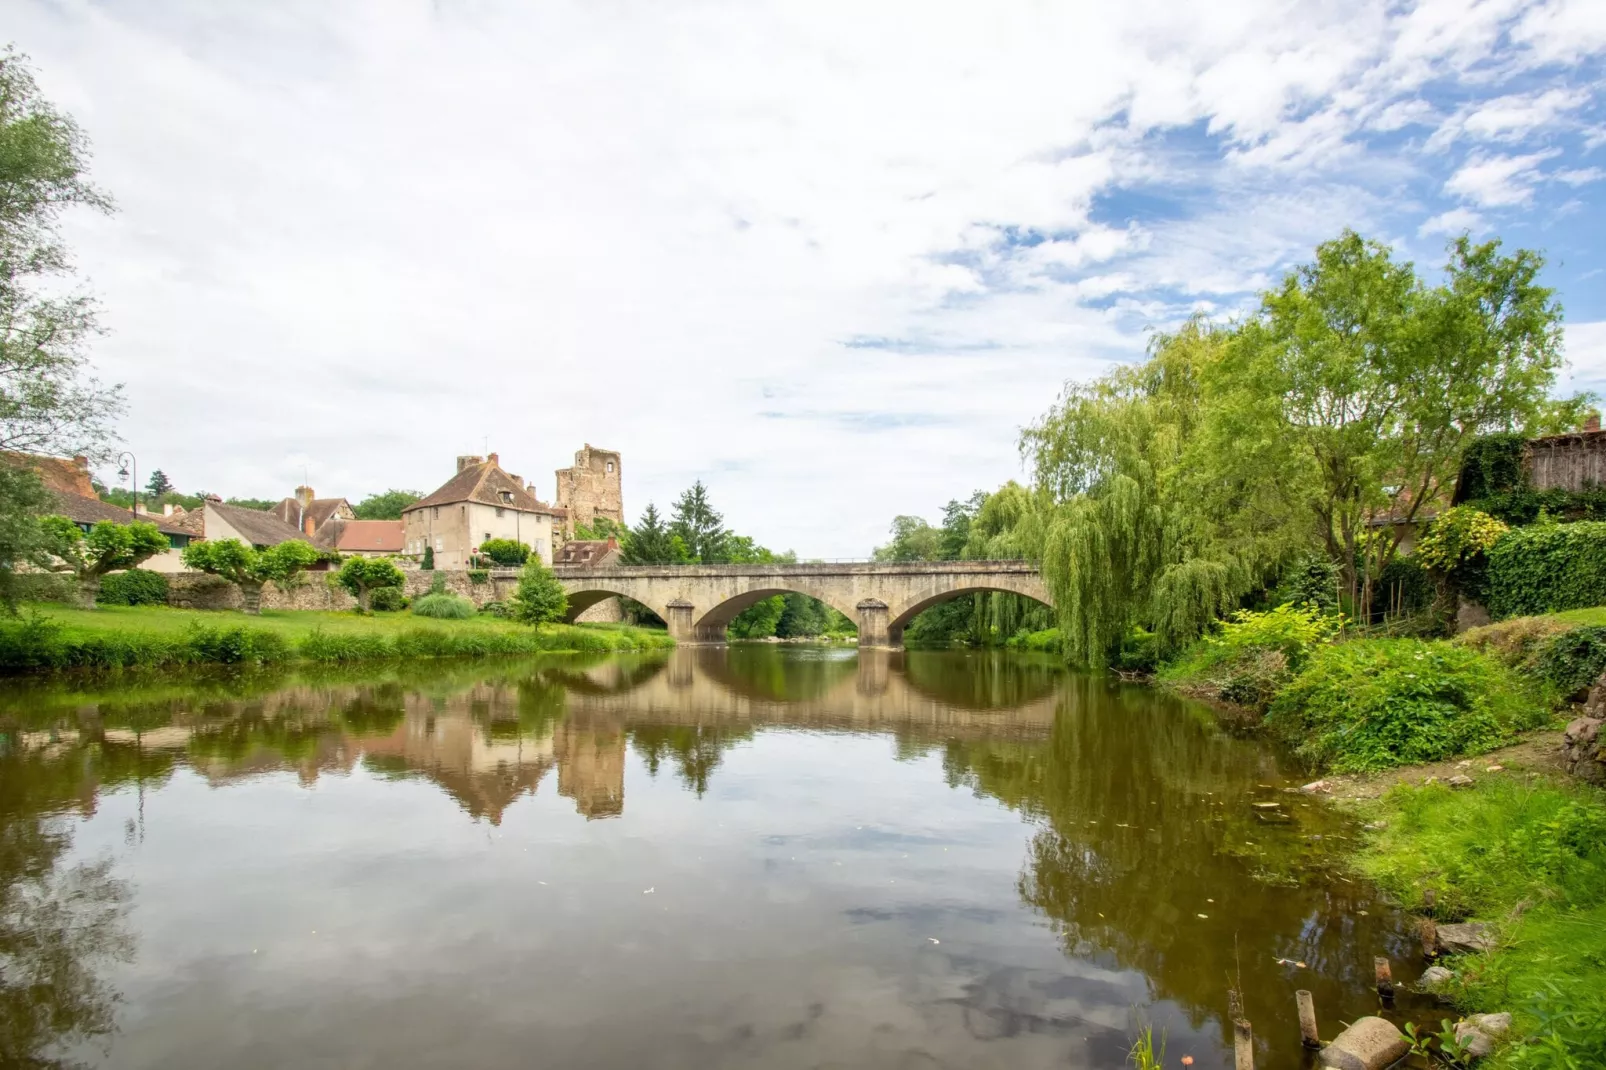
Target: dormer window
x,y
507,497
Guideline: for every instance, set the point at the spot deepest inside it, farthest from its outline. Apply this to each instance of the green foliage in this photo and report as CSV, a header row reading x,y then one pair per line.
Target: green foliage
x,y
136,587
1547,568
386,506
912,540
479,576
64,547
1405,588
1457,536
249,568
22,500
602,528
1530,856
1527,506
499,609
540,598
700,528
1310,579
158,484
1374,703
444,606
48,402
1144,1055
505,552
428,564
1491,465
1572,661
650,542
1047,641
35,644
758,620
362,576
1253,654
388,600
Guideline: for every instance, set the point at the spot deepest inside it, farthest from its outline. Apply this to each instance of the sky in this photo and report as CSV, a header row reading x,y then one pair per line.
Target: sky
x,y
829,258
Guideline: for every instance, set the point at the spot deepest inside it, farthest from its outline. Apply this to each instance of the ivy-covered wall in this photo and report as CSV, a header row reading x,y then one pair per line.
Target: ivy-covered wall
x,y
1547,568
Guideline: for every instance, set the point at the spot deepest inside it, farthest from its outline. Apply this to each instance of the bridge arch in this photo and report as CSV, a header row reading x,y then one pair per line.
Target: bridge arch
x,y
710,627
899,616
583,596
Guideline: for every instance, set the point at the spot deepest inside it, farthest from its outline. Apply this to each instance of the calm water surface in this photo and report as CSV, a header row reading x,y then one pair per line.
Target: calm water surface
x,y
745,857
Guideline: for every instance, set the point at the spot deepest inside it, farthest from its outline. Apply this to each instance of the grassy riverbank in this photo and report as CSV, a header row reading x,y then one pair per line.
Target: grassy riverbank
x,y
52,637
1523,851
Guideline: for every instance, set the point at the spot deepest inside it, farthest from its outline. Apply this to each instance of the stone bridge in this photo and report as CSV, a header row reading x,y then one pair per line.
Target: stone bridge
x,y
699,601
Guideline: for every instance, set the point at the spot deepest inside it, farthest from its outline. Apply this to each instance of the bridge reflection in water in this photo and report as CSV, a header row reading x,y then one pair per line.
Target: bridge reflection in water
x,y
1101,854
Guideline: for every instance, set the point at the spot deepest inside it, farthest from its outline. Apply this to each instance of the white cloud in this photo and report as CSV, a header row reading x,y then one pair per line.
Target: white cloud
x,y
1454,221
1578,176
376,234
1586,355
1498,181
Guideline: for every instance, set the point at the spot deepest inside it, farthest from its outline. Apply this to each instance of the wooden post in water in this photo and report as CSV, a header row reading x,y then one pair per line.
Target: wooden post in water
x,y
1430,937
1385,977
1243,1045
1307,1020
1429,899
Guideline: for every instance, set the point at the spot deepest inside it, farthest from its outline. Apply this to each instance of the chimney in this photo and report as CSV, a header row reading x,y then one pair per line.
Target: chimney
x,y
468,460
306,524
167,508
1592,422
494,459
304,495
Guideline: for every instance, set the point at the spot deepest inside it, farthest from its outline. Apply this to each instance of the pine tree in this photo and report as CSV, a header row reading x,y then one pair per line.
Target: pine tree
x,y
649,542
159,484
700,527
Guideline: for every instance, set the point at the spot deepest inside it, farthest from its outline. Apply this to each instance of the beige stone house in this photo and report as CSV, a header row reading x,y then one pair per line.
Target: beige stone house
x,y
73,496
254,527
308,513
480,502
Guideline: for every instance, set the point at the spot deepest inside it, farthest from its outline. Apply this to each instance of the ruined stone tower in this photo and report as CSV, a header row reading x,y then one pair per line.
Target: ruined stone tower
x,y
593,487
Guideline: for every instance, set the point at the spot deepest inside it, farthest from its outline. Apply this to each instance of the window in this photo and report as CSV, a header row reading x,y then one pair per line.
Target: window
x,y
487,537
507,497
610,467
498,510
435,511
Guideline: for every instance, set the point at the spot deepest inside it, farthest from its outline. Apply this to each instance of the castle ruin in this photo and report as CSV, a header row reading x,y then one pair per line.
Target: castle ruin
x,y
593,487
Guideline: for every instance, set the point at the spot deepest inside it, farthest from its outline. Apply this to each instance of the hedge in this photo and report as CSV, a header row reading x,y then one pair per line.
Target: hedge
x,y
1548,568
135,587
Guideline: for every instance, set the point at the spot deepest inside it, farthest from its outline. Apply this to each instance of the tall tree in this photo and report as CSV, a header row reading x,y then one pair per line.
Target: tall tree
x,y
699,526
386,506
913,539
158,484
649,542
48,402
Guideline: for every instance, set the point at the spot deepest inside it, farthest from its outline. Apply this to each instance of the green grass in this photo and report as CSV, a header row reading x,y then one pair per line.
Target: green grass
x,y
56,637
1528,857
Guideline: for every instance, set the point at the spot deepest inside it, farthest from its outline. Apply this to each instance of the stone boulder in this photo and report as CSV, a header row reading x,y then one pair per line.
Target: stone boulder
x,y
1465,938
1478,1032
1581,747
1368,1044
1434,976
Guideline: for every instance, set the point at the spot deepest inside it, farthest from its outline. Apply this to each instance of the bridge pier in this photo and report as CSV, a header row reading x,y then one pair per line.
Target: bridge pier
x,y
873,630
679,620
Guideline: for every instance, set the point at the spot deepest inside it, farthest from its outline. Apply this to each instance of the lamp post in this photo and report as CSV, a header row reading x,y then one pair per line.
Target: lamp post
x,y
126,463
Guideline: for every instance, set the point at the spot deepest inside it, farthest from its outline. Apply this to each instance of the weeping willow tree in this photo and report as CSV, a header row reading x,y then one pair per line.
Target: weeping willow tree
x,y
1124,537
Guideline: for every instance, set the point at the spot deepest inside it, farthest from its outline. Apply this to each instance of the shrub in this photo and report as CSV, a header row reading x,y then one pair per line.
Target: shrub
x,y
505,552
477,576
540,598
1457,536
428,564
497,609
1548,568
1309,580
1404,587
1376,703
388,600
1253,654
1139,650
443,607
1571,661
236,646
362,576
136,587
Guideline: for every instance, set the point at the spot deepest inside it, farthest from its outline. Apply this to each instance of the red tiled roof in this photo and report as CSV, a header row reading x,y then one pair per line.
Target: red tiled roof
x,y
319,509
587,552
372,536
60,474
485,484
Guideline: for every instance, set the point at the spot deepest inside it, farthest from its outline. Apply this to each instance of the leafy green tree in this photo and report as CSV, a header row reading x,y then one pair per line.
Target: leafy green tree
x,y
386,506
540,598
158,484
248,568
505,552
650,542
601,528
48,403
22,499
362,576
913,539
699,526
260,504
428,564
758,620
108,547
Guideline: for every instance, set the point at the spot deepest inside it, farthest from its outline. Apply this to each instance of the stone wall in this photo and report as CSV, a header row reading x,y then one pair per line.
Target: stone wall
x,y
317,590
593,487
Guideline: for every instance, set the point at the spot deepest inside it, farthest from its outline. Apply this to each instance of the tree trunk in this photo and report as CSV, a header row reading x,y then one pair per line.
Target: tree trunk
x,y
251,594
88,591
364,595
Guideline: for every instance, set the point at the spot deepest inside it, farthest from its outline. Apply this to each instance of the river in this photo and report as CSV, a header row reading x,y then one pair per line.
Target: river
x,y
753,856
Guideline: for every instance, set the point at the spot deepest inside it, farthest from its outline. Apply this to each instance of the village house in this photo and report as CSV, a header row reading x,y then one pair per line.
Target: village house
x,y
362,538
258,528
73,496
480,502
590,553
307,513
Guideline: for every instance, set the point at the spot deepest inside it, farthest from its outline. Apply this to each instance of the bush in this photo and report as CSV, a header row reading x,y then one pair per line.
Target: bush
x,y
136,587
362,576
1548,568
1139,651
506,552
1571,661
1309,580
444,607
1253,654
1404,588
540,598
1375,703
477,576
388,600
497,609
1456,536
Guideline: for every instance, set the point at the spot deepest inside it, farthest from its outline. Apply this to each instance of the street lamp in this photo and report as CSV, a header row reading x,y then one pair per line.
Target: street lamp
x,y
126,462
